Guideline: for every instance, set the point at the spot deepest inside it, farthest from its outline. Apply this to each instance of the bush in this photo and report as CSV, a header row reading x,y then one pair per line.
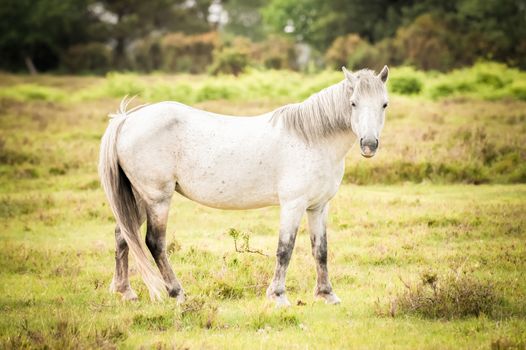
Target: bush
x,y
356,53
518,90
229,61
446,297
147,54
276,52
342,48
91,57
400,171
483,80
405,85
188,53
366,56
426,43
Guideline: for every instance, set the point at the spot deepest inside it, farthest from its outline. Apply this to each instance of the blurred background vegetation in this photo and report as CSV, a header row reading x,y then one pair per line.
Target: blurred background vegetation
x,y
457,83
227,36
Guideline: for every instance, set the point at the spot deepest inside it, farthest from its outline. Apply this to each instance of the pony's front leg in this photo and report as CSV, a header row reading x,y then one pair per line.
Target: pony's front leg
x,y
290,218
318,237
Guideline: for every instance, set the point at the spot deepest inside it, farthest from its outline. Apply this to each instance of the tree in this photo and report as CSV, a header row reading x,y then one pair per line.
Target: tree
x,y
244,18
128,20
35,32
469,29
318,23
491,29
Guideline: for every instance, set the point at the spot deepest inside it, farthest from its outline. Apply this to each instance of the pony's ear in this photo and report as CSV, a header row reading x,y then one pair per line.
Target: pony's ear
x,y
351,78
384,74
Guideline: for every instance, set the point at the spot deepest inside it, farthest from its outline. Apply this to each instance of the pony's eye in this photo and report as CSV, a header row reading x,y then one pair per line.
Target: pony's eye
x,y
385,105
353,104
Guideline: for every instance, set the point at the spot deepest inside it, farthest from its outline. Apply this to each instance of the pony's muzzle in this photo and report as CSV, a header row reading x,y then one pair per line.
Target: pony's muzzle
x,y
368,146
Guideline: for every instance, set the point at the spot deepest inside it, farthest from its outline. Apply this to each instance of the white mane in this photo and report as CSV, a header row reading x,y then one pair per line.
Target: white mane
x,y
329,111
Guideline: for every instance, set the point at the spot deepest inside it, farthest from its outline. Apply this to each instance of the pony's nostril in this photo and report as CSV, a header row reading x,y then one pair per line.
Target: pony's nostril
x,y
369,145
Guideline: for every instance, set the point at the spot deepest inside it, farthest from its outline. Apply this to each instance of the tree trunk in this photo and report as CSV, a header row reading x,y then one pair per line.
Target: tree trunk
x,y
30,65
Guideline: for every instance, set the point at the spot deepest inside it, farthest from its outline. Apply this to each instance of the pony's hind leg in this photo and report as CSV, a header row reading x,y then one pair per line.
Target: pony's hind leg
x,y
120,282
157,216
318,235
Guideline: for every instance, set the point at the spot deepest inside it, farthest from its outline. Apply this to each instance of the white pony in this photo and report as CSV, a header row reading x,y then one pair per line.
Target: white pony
x,y
292,157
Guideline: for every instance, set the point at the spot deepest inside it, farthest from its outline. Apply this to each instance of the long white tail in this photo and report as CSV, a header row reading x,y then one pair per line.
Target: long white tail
x,y
123,202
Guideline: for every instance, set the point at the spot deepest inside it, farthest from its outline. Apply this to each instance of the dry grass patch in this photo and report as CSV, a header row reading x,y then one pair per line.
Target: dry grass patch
x,y
449,296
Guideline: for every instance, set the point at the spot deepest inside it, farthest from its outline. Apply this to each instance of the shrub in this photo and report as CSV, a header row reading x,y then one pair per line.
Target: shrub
x,y
276,52
418,171
518,90
342,48
229,61
188,53
483,80
405,85
426,43
147,54
91,57
446,297
367,56
490,79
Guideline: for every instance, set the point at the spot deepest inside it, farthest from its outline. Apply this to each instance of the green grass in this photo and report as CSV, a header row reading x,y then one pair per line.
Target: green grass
x,y
488,81
454,140
420,215
57,262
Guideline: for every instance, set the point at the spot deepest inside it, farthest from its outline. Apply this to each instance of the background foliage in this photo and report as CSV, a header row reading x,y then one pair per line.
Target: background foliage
x,y
82,36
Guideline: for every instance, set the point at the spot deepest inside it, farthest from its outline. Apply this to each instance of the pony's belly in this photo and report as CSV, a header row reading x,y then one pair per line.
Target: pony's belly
x,y
227,196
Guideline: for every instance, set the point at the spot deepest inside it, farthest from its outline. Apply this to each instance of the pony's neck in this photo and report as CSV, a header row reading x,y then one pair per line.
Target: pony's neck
x,y
339,145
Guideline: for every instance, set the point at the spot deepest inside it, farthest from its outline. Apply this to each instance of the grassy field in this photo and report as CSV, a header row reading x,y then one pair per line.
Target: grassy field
x,y
419,230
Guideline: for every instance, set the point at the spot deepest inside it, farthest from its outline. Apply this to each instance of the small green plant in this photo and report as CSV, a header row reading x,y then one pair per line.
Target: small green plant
x,y
245,242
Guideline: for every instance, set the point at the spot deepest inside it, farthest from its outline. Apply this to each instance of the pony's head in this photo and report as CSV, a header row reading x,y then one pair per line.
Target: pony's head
x,y
368,98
